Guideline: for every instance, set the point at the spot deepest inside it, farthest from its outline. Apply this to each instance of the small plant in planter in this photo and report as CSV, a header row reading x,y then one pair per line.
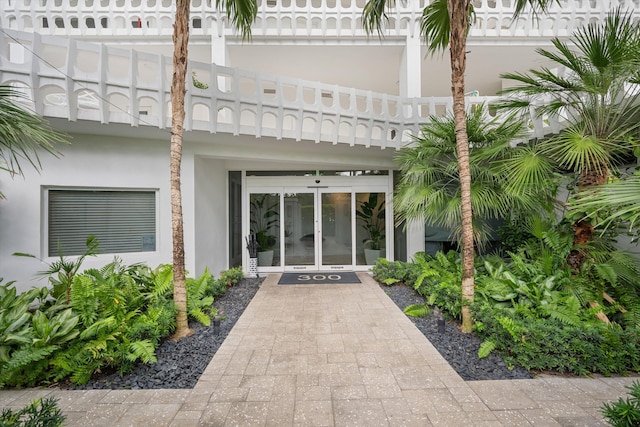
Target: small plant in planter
x,y
264,221
371,215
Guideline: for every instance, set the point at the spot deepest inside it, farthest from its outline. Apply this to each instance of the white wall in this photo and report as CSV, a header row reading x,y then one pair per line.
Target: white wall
x,y
210,216
90,161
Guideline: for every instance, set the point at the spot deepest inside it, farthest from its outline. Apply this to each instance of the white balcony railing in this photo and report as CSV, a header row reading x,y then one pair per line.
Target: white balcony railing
x,y
287,18
66,78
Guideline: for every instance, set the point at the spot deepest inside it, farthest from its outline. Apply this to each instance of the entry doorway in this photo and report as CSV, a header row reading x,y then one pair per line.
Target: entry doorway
x,y
319,228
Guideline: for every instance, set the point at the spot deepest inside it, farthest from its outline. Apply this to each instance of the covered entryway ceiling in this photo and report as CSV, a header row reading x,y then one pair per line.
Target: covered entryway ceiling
x,y
377,68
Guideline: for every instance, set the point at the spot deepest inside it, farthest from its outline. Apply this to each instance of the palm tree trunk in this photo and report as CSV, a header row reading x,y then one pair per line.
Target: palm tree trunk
x,y
583,230
180,42
458,18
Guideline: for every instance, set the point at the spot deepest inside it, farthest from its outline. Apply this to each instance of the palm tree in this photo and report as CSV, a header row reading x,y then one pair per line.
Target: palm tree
x,y
615,202
446,22
23,134
429,186
242,13
596,93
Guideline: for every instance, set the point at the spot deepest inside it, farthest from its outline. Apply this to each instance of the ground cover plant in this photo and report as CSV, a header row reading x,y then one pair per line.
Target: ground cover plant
x,y
103,319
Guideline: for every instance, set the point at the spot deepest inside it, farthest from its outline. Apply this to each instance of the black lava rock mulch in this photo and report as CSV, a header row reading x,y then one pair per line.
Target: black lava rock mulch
x,y
460,350
181,364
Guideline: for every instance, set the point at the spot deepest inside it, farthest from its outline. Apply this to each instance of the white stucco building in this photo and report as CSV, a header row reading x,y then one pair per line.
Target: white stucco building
x,y
291,132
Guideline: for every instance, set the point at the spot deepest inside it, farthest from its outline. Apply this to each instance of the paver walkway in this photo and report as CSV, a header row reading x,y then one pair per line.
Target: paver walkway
x,y
335,355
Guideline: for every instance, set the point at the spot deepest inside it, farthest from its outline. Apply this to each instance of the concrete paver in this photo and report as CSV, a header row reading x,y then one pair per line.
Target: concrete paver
x,y
335,355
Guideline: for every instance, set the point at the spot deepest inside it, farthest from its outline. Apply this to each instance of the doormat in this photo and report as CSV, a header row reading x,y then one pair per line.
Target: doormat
x,y
318,278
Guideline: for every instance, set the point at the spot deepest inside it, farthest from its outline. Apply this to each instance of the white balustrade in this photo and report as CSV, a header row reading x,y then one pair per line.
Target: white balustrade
x,y
77,80
290,18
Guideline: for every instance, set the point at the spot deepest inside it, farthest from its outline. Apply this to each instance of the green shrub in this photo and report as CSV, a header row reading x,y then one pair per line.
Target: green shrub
x,y
39,413
228,278
392,272
626,411
121,322
440,282
231,276
513,234
551,344
438,278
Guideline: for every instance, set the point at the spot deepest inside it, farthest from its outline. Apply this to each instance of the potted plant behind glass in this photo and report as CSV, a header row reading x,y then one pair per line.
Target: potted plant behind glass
x,y
264,222
371,216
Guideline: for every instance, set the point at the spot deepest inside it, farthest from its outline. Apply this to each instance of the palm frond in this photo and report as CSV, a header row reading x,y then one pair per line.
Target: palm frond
x,y
620,199
23,134
242,13
374,16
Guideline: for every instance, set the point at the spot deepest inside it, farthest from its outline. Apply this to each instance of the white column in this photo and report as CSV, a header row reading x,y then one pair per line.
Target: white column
x,y
219,54
410,68
410,86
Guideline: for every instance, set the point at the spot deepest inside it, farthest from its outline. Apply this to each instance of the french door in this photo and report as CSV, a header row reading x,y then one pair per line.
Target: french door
x,y
317,228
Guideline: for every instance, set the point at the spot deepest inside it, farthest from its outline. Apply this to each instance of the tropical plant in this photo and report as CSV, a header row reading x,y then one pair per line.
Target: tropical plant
x,y
264,220
595,91
23,134
241,13
416,310
605,285
446,23
371,216
625,412
439,282
15,324
38,413
30,332
199,304
392,272
231,276
62,271
552,344
429,185
120,324
617,202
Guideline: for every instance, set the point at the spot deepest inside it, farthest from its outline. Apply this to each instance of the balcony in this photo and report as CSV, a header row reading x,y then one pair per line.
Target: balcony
x,y
286,18
75,80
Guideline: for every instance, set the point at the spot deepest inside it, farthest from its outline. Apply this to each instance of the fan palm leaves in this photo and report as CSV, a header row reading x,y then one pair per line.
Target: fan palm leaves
x,y
614,202
430,184
595,91
23,134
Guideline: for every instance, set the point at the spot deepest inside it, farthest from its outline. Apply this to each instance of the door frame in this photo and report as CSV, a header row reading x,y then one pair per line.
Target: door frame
x,y
318,185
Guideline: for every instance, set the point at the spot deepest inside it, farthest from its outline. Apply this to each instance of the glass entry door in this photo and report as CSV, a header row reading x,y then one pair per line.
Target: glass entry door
x,y
320,228
317,229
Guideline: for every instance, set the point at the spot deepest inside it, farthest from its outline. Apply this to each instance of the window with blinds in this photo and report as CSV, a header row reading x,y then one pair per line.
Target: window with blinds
x,y
122,221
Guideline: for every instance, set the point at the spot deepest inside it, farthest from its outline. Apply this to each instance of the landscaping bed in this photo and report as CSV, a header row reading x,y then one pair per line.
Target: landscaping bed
x,y
181,364
459,349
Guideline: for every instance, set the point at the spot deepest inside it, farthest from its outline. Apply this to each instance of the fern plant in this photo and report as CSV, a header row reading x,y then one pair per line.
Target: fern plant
x,y
199,304
119,322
